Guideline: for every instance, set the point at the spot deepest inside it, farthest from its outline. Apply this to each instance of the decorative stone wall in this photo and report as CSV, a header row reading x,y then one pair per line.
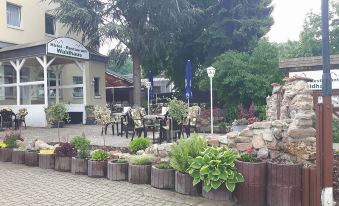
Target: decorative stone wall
x,y
292,138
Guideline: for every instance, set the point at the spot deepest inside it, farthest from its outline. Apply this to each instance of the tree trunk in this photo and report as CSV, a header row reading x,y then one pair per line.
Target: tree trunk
x,y
136,80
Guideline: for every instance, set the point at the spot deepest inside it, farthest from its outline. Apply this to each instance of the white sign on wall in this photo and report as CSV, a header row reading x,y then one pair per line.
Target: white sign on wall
x,y
67,47
316,84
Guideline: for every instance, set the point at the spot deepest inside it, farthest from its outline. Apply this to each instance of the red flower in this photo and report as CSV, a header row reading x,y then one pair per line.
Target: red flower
x,y
249,150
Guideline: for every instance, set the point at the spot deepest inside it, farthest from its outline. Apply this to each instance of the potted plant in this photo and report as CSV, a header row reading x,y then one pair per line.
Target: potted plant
x,y
103,116
117,170
97,165
90,118
10,143
139,170
63,157
2,146
215,168
181,152
46,159
162,176
18,155
80,162
57,114
254,172
177,110
140,143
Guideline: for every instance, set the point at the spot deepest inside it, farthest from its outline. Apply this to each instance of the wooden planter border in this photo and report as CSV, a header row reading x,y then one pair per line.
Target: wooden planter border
x,y
31,158
18,157
163,178
46,161
184,184
79,166
97,168
117,171
139,174
63,164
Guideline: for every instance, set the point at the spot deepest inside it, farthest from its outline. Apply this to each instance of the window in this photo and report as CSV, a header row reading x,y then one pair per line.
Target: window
x,y
49,24
78,91
13,15
97,86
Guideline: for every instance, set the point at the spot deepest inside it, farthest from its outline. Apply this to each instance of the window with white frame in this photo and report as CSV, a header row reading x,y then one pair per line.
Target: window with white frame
x,y
13,15
97,86
49,24
78,91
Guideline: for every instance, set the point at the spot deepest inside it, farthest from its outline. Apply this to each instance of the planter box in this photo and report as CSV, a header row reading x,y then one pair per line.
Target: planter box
x,y
31,158
18,157
117,171
283,184
46,161
162,178
97,168
184,184
139,174
252,192
63,164
6,154
220,194
79,166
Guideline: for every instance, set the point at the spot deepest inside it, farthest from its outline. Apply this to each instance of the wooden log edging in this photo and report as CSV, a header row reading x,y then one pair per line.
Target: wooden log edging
x,y
162,178
220,194
63,164
6,154
79,166
184,184
139,174
252,192
310,194
46,161
31,158
117,171
18,157
284,184
97,168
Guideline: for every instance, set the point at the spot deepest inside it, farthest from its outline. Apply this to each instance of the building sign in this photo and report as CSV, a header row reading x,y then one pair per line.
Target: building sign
x,y
67,47
316,84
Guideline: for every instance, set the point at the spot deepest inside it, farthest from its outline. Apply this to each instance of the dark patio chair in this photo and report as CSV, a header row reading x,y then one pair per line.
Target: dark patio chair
x,y
134,122
8,119
169,125
191,120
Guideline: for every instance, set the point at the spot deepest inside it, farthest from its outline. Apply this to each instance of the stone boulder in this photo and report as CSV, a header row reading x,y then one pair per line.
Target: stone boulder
x,y
298,133
243,146
242,139
263,153
258,142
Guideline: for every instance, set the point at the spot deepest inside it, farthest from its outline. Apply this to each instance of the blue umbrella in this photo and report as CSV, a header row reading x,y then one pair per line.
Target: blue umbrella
x,y
150,79
188,81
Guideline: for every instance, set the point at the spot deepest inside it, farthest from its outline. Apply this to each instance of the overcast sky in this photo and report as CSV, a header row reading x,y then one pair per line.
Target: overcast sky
x,y
289,16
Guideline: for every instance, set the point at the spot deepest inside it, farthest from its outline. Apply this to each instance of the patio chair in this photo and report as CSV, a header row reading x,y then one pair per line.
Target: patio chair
x,y
134,123
191,120
8,119
169,125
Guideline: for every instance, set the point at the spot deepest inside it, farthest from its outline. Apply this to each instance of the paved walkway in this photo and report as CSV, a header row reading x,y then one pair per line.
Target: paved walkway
x,y
21,185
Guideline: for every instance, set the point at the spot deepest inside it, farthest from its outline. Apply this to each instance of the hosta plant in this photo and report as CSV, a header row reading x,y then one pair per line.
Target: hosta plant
x,y
99,155
214,167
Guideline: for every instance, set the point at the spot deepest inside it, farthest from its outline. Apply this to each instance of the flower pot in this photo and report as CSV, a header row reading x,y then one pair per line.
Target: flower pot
x,y
18,157
63,164
162,178
252,192
139,174
6,154
117,171
97,168
79,166
31,158
46,161
284,184
184,184
220,194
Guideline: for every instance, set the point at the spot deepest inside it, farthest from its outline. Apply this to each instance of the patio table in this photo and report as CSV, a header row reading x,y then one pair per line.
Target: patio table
x,y
152,124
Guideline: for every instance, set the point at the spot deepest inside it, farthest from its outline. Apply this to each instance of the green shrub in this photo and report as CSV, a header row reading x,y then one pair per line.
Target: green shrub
x,y
163,165
186,149
261,112
335,130
214,167
81,144
177,109
141,159
99,155
139,144
10,140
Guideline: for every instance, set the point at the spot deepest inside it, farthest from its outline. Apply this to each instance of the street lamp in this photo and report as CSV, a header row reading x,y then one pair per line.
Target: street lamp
x,y
211,72
148,86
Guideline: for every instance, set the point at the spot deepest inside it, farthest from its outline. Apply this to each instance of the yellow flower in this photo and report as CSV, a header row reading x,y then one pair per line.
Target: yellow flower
x,y
47,151
2,145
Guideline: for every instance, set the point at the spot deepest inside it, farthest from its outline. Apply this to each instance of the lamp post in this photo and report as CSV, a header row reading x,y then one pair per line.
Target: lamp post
x,y
148,86
211,72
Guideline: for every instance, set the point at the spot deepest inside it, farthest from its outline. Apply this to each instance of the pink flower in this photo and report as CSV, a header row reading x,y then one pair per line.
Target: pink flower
x,y
249,150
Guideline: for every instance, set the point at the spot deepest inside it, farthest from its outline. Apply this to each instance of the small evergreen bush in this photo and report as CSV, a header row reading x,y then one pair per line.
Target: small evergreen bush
x,y
81,144
141,159
99,155
139,144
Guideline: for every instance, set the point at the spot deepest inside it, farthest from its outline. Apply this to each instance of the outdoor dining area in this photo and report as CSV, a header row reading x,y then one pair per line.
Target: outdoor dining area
x,y
175,121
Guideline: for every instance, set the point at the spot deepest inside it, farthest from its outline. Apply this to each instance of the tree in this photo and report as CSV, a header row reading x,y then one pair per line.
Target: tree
x,y
221,25
243,78
142,26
